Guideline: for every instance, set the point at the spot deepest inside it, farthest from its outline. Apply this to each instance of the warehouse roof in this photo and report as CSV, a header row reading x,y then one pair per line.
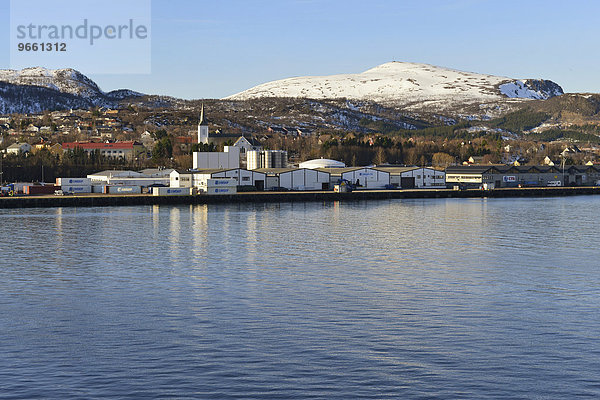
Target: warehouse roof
x,y
468,169
339,171
504,169
322,163
217,170
397,169
277,170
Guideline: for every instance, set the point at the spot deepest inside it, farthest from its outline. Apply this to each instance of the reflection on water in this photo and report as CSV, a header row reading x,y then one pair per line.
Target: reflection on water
x,y
456,298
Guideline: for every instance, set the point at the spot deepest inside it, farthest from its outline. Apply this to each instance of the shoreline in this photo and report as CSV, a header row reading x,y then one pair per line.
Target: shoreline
x,y
105,200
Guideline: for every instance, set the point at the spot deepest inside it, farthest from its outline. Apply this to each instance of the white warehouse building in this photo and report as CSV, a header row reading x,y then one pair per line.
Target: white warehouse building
x,y
416,177
363,177
143,178
230,158
295,179
199,178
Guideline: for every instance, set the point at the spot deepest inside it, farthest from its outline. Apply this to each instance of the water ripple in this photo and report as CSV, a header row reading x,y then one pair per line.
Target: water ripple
x,y
435,299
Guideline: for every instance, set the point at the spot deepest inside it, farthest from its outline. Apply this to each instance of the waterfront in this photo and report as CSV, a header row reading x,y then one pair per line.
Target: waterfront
x,y
102,200
413,298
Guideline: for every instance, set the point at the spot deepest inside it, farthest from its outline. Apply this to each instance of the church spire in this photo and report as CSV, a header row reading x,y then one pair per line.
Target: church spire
x,y
202,128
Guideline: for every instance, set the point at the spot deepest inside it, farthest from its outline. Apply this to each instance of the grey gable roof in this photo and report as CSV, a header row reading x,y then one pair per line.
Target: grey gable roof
x,y
469,169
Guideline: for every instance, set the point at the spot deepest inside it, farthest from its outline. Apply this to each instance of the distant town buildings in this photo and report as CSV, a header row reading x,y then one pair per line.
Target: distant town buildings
x,y
126,150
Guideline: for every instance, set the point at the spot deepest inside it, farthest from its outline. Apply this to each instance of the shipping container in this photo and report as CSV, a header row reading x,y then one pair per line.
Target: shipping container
x,y
221,190
168,191
98,188
19,187
76,189
73,181
121,189
38,189
219,182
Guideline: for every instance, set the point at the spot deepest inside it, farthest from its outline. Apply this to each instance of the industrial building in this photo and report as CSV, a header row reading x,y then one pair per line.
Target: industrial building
x,y
198,178
228,159
362,177
257,159
145,178
295,179
498,176
415,177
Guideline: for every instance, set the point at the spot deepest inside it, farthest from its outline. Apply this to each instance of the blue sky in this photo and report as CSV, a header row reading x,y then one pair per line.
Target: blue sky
x,y
211,49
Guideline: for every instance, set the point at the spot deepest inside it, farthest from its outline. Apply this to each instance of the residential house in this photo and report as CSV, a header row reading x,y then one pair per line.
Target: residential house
x,y
18,148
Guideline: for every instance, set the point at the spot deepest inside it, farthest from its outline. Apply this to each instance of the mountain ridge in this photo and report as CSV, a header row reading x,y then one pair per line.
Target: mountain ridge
x,y
406,85
37,89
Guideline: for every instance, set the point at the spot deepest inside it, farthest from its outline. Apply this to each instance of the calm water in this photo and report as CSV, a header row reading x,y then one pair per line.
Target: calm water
x,y
419,299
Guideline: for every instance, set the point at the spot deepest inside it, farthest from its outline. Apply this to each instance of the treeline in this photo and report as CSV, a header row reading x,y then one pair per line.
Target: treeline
x,y
551,135
519,121
361,149
44,166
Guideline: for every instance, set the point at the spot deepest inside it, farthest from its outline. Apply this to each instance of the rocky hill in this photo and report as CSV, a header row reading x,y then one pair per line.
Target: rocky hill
x,y
36,89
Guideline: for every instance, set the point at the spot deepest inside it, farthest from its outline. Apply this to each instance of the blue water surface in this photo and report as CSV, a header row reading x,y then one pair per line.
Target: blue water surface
x,y
411,299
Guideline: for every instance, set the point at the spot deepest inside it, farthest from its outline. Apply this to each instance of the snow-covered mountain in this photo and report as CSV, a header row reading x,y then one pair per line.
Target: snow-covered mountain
x,y
37,89
63,80
407,84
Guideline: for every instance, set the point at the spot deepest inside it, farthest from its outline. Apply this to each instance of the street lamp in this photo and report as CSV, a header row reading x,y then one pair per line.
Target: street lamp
x,y
563,169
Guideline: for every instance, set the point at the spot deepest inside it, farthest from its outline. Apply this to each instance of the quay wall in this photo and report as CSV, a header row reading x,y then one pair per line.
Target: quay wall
x,y
100,200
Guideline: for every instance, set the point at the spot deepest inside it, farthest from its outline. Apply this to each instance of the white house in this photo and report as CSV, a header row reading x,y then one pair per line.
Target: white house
x,y
245,145
18,148
181,179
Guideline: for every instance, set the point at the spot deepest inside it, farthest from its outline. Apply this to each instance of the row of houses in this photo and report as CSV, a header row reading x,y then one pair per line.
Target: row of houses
x,y
126,150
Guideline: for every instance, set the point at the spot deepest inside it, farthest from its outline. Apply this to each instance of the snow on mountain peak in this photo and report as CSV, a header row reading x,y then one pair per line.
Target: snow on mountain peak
x,y
406,84
65,80
36,89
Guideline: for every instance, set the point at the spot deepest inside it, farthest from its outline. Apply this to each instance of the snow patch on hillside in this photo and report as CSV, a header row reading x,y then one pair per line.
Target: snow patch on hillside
x,y
518,89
